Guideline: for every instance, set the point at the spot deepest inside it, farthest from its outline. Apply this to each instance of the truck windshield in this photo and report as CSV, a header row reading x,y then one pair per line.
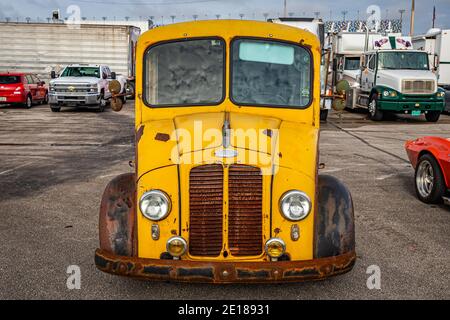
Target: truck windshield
x,y
189,72
270,73
352,63
81,72
403,60
9,79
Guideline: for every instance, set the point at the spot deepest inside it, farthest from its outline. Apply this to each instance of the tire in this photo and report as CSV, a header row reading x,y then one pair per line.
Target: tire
x,y
102,103
323,115
28,103
55,109
45,101
429,180
432,116
374,113
131,84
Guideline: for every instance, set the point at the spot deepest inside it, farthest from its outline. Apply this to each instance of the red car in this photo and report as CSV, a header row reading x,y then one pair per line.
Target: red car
x,y
430,157
22,88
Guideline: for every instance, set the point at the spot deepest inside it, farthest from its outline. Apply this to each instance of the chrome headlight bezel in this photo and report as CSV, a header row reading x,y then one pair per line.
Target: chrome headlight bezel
x,y
165,199
295,193
440,94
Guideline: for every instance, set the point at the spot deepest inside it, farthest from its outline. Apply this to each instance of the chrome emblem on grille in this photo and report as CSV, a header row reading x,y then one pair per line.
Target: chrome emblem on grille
x,y
71,88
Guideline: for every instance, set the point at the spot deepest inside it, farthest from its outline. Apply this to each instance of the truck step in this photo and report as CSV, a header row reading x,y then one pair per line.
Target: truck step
x,y
360,106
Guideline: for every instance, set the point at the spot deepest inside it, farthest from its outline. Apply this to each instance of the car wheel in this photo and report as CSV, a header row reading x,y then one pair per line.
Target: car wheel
x,y
374,113
28,102
324,115
429,180
102,103
432,116
45,101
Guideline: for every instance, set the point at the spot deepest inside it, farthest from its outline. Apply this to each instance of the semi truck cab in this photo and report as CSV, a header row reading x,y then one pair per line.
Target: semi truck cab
x,y
400,81
392,78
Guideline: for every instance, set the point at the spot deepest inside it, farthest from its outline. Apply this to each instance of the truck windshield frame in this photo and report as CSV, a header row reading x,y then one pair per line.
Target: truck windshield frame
x,y
402,60
81,71
252,83
178,90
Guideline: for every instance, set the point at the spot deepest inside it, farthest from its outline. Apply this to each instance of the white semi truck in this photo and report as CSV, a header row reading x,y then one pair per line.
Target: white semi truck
x,y
392,77
437,44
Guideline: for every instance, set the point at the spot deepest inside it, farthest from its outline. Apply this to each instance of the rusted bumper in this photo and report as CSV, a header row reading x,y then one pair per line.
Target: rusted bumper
x,y
224,272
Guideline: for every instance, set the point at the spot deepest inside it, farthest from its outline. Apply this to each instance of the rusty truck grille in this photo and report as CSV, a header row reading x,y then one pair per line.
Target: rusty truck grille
x,y
206,210
245,189
245,210
418,86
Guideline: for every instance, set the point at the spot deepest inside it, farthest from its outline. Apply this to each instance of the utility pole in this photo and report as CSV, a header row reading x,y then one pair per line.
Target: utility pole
x,y
411,30
344,13
434,15
285,8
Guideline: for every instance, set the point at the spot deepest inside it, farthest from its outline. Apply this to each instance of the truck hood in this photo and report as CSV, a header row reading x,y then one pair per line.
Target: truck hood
x,y
199,138
393,78
74,80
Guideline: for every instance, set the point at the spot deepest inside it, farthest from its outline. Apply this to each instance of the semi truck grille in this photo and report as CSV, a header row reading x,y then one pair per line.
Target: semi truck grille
x,y
206,210
245,189
418,86
245,210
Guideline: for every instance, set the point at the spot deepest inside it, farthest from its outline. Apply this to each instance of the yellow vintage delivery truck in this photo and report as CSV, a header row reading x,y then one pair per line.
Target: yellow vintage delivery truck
x,y
226,185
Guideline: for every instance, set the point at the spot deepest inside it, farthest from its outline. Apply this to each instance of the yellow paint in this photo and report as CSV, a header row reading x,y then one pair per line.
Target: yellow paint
x,y
165,165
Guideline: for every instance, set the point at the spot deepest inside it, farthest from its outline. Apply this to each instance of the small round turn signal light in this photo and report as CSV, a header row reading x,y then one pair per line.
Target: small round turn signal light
x,y
275,248
176,246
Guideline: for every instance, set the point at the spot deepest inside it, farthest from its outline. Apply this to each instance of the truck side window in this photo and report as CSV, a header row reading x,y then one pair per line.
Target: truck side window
x,y
372,62
29,79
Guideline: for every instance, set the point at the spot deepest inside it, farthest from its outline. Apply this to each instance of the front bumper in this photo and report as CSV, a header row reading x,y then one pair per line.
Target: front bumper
x,y
224,272
406,106
71,99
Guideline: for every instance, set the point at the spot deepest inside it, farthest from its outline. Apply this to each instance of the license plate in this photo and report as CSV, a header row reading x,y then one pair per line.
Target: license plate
x,y
416,113
2,98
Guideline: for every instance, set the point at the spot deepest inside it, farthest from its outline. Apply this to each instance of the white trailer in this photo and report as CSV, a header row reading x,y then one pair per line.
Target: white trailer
x,y
437,44
44,47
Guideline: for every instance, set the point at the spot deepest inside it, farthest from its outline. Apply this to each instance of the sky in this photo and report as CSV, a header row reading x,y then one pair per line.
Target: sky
x,y
184,10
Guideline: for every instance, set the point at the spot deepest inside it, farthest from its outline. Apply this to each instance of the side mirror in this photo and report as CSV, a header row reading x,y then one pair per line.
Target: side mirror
x,y
113,75
53,74
104,76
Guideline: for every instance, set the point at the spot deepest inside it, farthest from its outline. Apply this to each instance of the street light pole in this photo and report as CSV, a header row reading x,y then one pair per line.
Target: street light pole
x,y
411,30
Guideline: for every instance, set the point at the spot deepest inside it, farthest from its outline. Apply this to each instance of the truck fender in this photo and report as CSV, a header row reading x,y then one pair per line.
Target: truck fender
x,y
334,219
117,218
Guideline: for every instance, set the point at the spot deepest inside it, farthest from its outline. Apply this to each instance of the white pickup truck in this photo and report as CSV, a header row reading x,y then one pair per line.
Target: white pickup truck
x,y
83,85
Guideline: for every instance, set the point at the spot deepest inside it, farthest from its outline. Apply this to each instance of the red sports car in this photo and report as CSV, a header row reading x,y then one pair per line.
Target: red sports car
x,y
430,157
22,88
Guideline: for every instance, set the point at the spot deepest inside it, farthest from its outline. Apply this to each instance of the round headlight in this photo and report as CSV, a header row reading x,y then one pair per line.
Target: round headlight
x,y
155,205
441,94
386,93
295,205
176,246
275,247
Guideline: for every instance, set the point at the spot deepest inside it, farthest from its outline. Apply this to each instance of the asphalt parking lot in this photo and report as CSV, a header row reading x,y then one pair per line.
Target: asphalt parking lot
x,y
54,167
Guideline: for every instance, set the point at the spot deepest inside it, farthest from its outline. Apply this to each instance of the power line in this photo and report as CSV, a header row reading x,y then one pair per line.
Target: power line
x,y
119,3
